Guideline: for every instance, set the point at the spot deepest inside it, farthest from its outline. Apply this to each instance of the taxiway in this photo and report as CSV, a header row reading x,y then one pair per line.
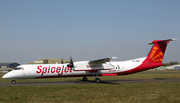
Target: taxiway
x,y
89,82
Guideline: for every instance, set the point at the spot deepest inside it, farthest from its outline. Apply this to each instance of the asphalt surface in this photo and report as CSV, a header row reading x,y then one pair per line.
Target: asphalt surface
x,y
88,82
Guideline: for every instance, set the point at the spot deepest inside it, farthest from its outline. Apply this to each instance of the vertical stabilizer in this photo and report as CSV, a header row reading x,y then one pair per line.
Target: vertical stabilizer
x,y
157,52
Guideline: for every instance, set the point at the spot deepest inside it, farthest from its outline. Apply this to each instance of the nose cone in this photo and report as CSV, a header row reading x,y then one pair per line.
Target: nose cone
x,y
7,76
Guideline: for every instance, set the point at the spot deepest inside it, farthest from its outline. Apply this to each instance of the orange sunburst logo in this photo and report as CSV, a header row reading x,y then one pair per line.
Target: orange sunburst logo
x,y
156,55
155,48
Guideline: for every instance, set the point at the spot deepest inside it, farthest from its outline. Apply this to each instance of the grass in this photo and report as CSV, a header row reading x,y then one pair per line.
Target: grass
x,y
167,92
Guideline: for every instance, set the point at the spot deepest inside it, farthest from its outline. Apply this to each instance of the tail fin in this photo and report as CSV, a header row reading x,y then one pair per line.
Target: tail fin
x,y
157,52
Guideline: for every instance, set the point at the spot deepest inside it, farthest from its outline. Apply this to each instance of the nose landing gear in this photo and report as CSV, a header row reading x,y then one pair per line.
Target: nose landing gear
x,y
13,82
85,79
97,79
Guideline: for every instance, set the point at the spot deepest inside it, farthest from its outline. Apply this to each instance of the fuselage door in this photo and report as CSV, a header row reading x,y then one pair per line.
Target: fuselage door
x,y
32,71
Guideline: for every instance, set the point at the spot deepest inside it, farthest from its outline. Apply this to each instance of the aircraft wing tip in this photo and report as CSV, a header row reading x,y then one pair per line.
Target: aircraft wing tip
x,y
173,39
114,57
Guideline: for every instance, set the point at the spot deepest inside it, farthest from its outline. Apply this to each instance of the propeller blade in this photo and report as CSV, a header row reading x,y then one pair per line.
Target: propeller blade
x,y
71,65
62,61
71,61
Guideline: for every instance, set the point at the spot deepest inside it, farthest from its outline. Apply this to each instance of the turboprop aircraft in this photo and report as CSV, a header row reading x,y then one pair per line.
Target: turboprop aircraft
x,y
101,67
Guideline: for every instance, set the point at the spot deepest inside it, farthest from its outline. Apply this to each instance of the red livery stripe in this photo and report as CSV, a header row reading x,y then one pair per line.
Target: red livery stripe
x,y
109,74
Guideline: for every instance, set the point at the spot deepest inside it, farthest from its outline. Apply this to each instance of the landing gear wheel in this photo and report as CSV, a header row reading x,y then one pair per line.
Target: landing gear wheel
x,y
13,82
98,80
85,79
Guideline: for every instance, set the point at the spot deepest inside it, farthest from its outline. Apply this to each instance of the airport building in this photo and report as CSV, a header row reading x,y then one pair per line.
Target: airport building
x,y
176,67
49,61
8,65
5,67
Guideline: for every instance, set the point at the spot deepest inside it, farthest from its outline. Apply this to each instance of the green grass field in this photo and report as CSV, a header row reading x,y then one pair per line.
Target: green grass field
x,y
167,92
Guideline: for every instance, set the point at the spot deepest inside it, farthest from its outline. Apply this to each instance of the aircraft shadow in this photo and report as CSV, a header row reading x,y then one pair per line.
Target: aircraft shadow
x,y
102,82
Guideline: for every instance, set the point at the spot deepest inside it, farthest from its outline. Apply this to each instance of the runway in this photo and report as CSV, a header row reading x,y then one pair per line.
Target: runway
x,y
89,82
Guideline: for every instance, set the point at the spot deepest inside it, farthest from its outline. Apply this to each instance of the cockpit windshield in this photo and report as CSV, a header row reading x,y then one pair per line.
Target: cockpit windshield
x,y
19,68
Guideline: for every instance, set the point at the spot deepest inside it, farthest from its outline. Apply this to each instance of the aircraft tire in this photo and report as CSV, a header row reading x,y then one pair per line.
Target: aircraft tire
x,y
13,82
98,80
85,79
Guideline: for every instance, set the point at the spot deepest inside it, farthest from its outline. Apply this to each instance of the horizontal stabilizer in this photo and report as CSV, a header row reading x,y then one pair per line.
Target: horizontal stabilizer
x,y
161,41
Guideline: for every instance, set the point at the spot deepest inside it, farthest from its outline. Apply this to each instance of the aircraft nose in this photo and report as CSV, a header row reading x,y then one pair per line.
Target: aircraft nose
x,y
7,76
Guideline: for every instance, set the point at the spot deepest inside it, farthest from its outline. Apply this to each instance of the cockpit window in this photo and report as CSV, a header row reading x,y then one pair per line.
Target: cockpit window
x,y
19,68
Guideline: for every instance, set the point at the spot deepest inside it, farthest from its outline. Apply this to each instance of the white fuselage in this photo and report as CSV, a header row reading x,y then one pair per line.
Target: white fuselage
x,y
61,70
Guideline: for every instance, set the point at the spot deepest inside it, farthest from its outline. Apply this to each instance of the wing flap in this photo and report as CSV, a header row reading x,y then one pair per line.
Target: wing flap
x,y
99,61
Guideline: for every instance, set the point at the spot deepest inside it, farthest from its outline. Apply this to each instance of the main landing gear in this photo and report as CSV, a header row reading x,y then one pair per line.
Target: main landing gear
x,y
13,82
97,79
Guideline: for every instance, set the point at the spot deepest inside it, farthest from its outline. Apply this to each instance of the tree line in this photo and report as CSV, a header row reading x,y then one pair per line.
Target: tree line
x,y
170,63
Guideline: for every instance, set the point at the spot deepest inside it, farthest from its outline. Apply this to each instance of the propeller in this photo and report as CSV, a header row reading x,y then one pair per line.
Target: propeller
x,y
62,61
71,65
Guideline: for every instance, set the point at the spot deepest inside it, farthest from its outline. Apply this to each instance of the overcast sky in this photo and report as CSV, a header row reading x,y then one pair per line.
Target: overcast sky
x,y
86,29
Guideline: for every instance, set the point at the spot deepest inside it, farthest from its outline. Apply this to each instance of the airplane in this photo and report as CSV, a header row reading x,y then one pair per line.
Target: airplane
x,y
100,67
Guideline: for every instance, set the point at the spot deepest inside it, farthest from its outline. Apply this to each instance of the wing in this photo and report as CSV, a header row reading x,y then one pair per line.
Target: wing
x,y
100,64
99,61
